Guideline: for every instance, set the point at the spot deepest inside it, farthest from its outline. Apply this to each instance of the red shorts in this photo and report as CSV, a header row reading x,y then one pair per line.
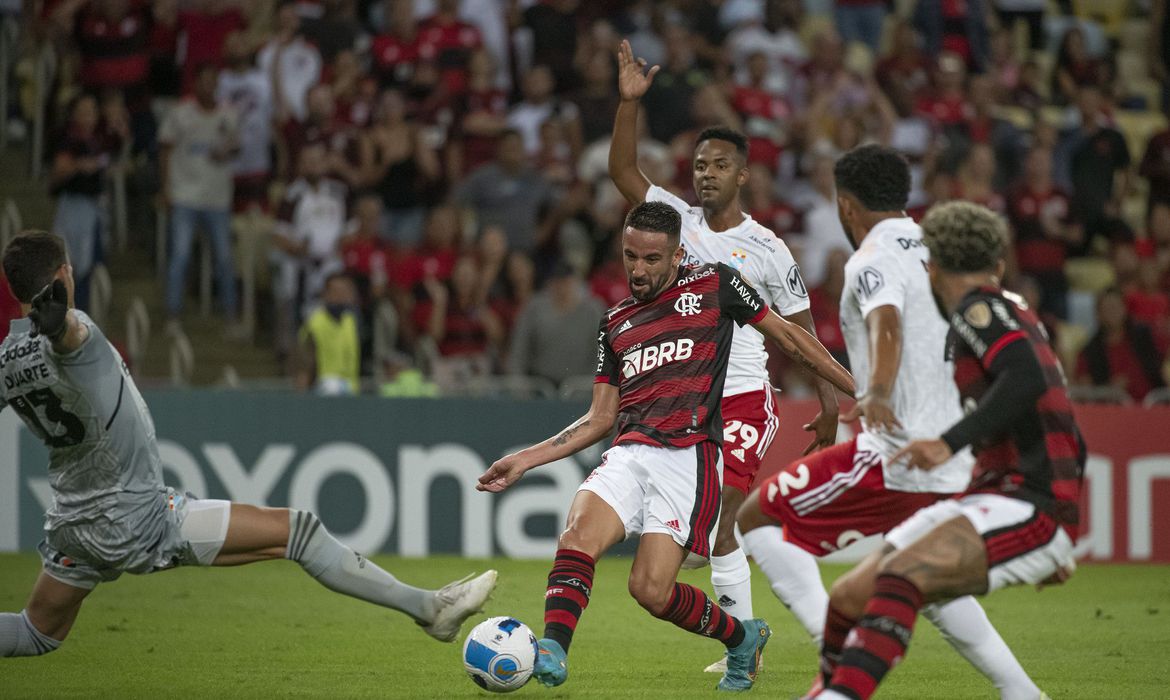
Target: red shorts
x,y
836,496
749,424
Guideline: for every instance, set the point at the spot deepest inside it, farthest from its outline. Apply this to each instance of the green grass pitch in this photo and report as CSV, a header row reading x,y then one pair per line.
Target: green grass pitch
x,y
268,630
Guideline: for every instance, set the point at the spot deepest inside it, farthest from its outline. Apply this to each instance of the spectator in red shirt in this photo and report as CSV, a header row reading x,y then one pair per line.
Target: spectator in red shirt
x,y
396,53
1122,353
363,251
905,65
457,318
1039,212
481,115
205,29
947,103
450,41
1148,303
956,26
343,149
825,308
765,114
435,257
354,92
983,126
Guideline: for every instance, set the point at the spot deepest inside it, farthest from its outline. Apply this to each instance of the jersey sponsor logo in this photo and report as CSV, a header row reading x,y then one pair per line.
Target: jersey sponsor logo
x,y
645,359
869,281
689,304
795,282
745,292
600,352
695,277
21,350
978,314
738,259
908,243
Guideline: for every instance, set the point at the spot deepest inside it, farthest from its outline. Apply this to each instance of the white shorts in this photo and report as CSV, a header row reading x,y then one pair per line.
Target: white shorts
x,y
203,524
673,491
1024,545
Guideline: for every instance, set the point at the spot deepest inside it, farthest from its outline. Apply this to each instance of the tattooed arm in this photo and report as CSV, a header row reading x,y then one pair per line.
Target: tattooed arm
x,y
582,433
801,346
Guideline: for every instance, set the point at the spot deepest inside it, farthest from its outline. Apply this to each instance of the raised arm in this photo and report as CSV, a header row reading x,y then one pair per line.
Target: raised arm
x,y
623,149
582,433
801,346
51,316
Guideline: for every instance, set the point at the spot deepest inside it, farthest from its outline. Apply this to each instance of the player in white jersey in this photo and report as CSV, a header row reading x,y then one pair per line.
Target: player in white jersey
x,y
896,341
720,231
111,512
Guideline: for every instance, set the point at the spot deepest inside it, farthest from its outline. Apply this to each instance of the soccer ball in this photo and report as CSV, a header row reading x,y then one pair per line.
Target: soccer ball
x,y
499,654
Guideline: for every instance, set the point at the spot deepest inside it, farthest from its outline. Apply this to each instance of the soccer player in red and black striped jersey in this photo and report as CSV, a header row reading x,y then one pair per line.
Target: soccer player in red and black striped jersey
x,y
662,358
1017,521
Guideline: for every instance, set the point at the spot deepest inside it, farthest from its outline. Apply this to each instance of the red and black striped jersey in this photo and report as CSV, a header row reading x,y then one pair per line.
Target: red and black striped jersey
x,y
1040,457
668,356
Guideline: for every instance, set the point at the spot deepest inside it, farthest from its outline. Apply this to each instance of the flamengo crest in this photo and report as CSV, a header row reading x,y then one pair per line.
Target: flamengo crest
x,y
688,304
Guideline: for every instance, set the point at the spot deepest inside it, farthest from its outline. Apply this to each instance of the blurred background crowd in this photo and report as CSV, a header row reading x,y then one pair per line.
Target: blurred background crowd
x,y
411,197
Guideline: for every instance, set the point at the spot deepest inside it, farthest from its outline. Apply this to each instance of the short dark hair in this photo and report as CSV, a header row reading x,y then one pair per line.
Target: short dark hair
x,y
725,133
877,176
659,217
30,261
964,237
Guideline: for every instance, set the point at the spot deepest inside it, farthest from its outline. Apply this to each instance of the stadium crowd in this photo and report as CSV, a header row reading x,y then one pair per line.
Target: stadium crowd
x,y
443,163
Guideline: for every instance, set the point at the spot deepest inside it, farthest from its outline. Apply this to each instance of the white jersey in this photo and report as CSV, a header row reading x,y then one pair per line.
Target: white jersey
x,y
250,94
889,269
763,260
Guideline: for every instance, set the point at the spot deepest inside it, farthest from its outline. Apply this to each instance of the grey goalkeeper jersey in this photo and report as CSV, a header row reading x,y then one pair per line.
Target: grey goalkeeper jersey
x,y
109,502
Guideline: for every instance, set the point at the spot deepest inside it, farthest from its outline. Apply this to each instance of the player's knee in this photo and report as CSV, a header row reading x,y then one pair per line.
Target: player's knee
x,y
573,537
906,564
650,594
725,542
848,595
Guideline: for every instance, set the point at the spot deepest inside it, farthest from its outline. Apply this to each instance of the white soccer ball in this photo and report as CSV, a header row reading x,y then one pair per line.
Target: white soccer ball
x,y
499,654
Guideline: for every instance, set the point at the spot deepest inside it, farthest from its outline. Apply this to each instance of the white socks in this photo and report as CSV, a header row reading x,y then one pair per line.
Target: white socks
x,y
343,570
731,577
18,637
794,576
964,624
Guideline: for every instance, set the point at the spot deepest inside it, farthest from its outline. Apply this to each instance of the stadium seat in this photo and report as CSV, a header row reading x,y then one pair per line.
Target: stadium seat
x,y
1100,394
1157,397
137,334
1089,274
182,359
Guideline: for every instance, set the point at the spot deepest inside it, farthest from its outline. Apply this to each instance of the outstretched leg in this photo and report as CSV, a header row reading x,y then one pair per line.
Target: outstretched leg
x,y
45,621
260,534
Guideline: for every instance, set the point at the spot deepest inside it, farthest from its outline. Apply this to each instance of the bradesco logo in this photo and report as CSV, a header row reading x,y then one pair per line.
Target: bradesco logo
x,y
645,359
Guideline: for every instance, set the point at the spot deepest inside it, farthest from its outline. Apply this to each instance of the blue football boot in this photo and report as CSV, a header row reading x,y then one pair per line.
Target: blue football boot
x,y
550,669
744,660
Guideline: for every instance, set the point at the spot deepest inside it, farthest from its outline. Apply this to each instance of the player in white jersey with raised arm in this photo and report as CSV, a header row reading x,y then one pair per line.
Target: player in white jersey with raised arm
x,y
896,341
720,231
111,512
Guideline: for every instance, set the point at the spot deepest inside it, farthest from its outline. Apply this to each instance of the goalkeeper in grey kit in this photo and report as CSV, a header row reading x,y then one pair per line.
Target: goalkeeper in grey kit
x,y
111,513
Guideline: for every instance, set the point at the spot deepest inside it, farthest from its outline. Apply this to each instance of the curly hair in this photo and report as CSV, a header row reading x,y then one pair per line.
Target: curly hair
x,y
659,217
964,237
30,261
725,133
878,176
